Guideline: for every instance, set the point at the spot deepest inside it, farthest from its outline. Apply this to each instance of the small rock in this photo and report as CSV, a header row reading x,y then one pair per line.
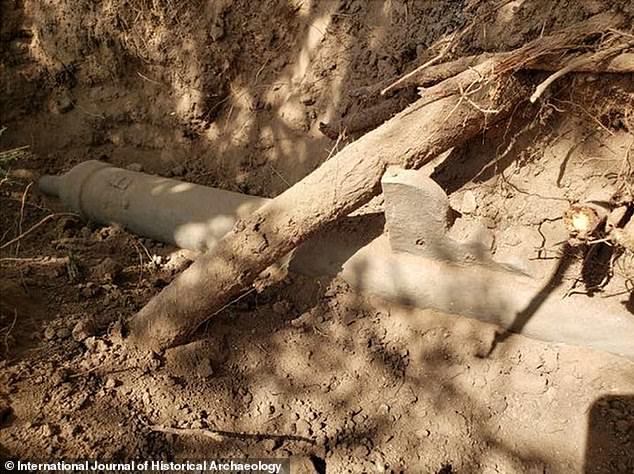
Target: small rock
x,y
49,333
107,271
83,330
269,445
303,428
469,204
498,405
146,399
115,332
217,30
153,361
90,342
111,383
423,433
47,430
70,430
95,345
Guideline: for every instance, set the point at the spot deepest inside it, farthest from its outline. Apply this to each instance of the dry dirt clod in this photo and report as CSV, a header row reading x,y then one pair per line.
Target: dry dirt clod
x,y
95,345
581,221
83,330
469,204
61,103
269,445
303,428
107,271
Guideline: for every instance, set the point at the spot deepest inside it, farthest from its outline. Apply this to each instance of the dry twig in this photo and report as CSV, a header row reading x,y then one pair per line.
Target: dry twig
x,y
22,204
576,64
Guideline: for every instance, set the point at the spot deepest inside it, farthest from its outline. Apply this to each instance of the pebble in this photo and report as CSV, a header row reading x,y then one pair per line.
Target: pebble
x,y
82,331
111,383
269,445
217,30
303,428
423,433
95,345
361,451
469,204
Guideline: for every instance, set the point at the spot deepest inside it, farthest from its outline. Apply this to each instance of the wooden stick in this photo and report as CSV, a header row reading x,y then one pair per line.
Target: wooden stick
x,y
381,109
214,435
595,58
620,64
415,72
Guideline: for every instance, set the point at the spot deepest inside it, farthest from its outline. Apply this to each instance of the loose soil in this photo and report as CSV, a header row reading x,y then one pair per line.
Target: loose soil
x,y
232,94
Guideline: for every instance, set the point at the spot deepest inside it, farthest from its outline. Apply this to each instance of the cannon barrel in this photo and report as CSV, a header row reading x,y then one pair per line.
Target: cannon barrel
x,y
184,214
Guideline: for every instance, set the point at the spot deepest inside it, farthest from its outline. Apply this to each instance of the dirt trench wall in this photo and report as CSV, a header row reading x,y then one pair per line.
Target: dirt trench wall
x,y
234,90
